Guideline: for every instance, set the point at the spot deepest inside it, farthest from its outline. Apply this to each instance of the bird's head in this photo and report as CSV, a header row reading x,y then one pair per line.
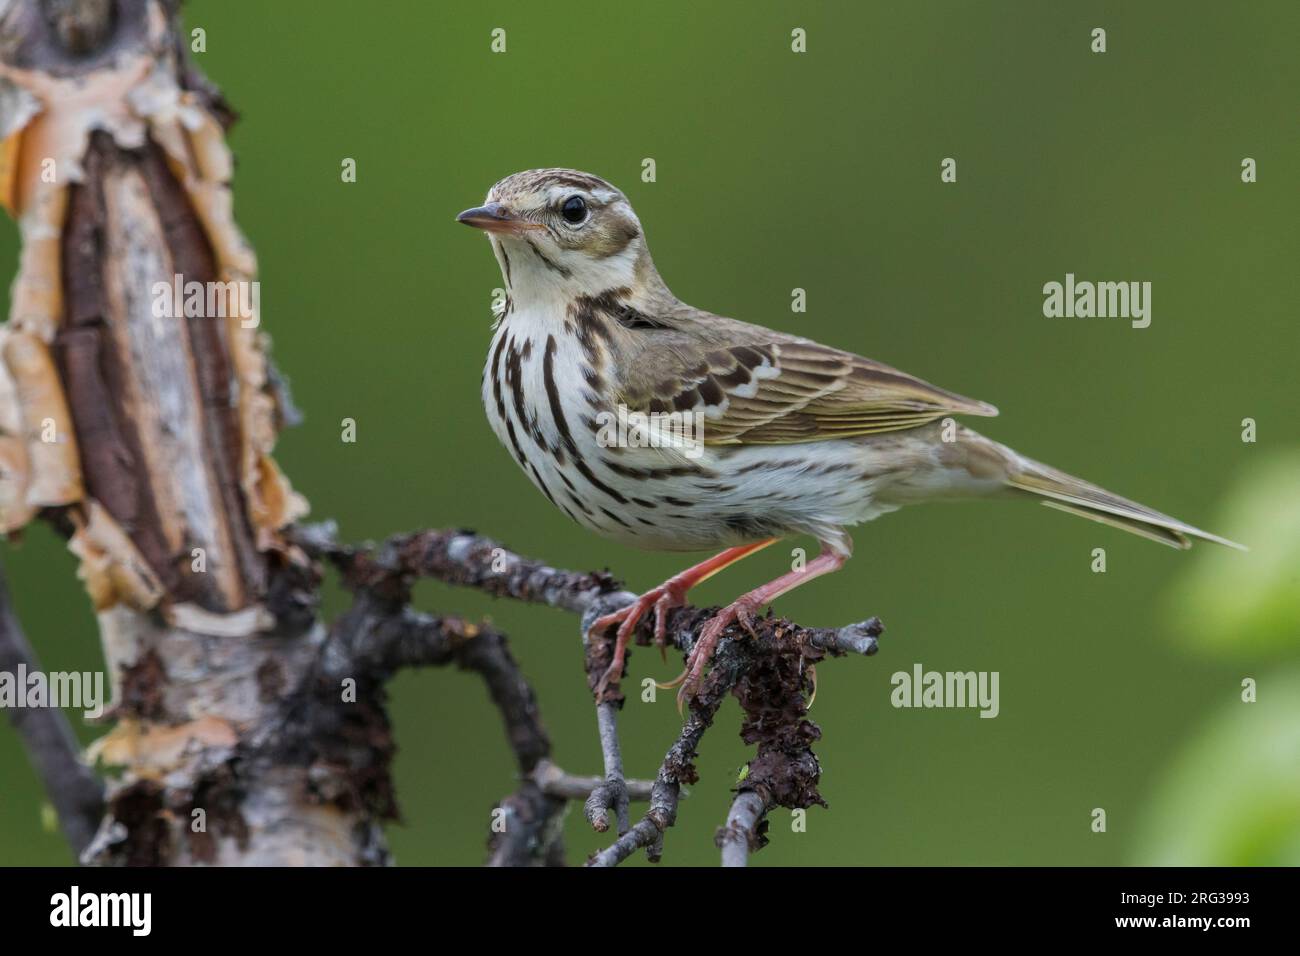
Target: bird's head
x,y
560,233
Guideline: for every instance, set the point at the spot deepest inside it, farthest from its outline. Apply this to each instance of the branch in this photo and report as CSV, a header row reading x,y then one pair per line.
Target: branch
x,y
770,671
741,834
381,633
468,559
612,794
73,788
678,768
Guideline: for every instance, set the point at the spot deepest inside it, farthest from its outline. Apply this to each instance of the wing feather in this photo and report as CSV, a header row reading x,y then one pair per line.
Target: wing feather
x,y
787,391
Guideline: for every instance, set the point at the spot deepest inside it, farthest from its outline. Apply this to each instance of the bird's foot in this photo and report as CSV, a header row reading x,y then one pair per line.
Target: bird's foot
x,y
740,612
663,599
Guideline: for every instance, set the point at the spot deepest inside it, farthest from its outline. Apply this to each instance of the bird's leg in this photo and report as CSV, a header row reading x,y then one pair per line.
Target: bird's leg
x,y
670,594
742,611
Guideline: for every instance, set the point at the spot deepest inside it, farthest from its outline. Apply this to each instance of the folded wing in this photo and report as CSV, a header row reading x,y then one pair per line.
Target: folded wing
x,y
782,392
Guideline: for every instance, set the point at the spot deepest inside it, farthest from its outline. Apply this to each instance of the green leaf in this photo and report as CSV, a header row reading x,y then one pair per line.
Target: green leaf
x,y
1232,795
1249,603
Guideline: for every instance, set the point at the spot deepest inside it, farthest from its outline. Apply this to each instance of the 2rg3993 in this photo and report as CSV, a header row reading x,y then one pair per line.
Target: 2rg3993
x,y
1213,898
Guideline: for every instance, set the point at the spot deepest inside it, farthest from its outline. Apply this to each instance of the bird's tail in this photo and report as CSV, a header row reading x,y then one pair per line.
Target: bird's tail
x,y
1064,492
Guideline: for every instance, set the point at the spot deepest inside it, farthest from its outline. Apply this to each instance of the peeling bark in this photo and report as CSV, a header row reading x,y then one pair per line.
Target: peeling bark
x,y
145,439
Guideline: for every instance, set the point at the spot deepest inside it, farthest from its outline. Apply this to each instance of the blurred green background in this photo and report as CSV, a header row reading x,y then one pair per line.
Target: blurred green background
x,y
821,171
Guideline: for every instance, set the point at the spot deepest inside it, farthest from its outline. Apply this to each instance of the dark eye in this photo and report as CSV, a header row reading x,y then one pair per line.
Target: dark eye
x,y
574,210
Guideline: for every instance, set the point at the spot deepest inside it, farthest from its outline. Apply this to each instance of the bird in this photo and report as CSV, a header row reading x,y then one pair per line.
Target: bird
x,y
666,427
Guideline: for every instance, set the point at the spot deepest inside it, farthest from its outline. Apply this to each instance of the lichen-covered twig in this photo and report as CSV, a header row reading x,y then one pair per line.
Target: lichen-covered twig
x,y
770,672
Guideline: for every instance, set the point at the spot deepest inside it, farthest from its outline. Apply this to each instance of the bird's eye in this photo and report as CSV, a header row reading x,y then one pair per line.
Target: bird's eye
x,y
574,210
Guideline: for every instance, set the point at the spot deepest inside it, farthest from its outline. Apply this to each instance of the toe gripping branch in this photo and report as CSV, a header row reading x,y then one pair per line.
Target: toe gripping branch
x,y
771,673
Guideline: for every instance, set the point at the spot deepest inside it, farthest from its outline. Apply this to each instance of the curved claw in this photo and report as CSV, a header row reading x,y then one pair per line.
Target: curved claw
x,y
669,685
627,618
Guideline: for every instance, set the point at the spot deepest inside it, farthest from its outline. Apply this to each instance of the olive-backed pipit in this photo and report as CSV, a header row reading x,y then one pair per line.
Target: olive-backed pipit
x,y
667,427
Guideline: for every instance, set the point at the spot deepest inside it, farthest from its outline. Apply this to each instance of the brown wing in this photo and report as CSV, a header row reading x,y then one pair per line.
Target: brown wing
x,y
783,392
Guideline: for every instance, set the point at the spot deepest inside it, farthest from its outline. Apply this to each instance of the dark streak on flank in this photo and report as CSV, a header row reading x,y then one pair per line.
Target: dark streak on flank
x,y
680,471
578,501
767,466
562,424
514,443
751,527
614,517
541,484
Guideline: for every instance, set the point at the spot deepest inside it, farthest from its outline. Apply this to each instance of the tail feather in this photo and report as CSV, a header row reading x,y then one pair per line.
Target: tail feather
x,y
1067,493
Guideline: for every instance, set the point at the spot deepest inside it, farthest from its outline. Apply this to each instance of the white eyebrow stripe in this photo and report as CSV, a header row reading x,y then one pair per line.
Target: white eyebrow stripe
x,y
558,191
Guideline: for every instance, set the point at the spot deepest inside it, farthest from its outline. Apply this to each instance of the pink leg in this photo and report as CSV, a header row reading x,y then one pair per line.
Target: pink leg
x,y
742,611
670,594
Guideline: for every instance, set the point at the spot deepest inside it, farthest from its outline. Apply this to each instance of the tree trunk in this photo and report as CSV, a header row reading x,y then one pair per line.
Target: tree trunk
x,y
137,415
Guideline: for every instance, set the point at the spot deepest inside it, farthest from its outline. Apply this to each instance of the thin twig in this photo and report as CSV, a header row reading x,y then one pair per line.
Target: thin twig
x,y
677,769
557,783
740,833
612,794
73,788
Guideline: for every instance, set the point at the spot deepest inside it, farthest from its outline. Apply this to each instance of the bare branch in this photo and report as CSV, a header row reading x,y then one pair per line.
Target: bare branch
x,y
73,788
740,835
455,557
556,783
381,633
678,768
612,794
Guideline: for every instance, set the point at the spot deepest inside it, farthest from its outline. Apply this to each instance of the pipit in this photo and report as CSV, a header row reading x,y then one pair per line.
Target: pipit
x,y
729,435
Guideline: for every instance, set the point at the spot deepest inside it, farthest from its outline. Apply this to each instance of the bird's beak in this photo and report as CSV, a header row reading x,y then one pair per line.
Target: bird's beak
x,y
495,217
